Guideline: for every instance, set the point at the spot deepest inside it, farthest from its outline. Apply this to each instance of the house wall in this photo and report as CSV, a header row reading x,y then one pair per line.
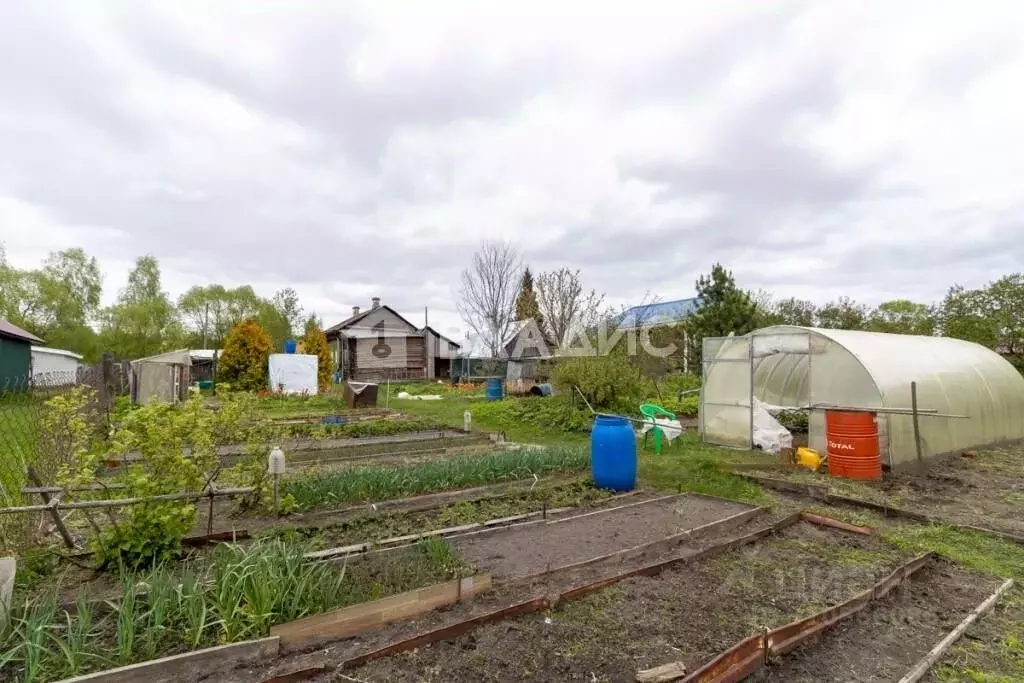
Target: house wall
x,y
15,364
53,369
405,359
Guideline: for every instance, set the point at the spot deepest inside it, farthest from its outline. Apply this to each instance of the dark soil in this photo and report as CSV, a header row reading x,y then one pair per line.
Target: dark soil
x,y
535,548
690,615
992,650
886,640
499,597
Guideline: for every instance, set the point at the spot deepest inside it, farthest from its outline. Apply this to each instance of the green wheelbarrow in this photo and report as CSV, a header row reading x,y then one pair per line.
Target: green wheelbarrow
x,y
652,412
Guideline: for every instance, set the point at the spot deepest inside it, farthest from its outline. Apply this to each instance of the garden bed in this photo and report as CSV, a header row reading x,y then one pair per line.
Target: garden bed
x,y
882,643
984,490
533,548
689,614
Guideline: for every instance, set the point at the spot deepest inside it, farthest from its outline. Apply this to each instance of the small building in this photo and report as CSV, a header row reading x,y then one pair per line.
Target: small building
x,y
15,356
54,367
657,314
526,351
379,343
204,363
164,377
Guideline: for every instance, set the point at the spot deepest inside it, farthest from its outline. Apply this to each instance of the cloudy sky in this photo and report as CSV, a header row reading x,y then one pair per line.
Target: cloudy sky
x,y
351,149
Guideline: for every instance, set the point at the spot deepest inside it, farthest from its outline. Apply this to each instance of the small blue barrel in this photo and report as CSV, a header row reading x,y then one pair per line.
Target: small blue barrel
x,y
494,389
290,346
613,453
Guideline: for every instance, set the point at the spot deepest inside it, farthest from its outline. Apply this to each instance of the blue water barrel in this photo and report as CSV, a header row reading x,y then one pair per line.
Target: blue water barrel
x,y
290,346
613,453
494,389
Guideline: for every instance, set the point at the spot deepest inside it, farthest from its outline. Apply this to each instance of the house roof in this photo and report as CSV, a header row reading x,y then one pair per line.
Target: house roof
x,y
12,331
55,352
660,313
334,330
447,339
536,344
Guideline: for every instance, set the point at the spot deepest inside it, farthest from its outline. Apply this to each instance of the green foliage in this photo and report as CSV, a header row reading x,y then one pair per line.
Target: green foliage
x,y
902,317
605,381
381,483
793,420
526,302
725,308
143,321
315,344
556,412
243,362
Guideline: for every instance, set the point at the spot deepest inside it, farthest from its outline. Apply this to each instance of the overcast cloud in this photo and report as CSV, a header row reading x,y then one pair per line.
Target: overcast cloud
x,y
818,148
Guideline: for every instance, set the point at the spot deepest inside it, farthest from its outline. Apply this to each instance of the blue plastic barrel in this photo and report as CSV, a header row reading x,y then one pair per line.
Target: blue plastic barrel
x,y
494,389
290,346
613,453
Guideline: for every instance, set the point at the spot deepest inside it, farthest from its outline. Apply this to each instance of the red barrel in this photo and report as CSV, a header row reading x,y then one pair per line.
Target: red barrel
x,y
852,445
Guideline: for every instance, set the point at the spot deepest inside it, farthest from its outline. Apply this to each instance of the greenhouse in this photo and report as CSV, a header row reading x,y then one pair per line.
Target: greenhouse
x,y
967,395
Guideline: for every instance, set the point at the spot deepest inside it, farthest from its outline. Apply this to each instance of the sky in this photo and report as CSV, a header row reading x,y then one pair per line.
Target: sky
x,y
816,148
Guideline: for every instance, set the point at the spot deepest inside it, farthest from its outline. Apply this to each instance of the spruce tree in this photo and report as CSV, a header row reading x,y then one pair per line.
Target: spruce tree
x,y
526,303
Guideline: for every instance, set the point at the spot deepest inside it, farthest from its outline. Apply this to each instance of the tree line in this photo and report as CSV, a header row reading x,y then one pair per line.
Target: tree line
x,y
60,302
498,291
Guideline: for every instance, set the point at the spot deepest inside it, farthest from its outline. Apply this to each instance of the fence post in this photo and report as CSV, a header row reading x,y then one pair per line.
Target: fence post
x,y
33,476
108,381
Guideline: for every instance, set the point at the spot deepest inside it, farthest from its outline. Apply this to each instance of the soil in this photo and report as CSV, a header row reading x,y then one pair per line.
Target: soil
x,y
535,548
991,650
501,596
886,640
985,489
689,614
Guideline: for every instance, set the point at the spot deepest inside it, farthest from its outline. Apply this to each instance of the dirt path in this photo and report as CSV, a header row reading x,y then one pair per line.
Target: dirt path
x,y
690,614
882,643
535,548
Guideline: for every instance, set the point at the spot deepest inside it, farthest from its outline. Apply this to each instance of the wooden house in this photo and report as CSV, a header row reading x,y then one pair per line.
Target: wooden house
x,y
379,343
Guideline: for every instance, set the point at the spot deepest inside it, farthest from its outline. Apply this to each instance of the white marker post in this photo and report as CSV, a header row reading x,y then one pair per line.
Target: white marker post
x,y
276,467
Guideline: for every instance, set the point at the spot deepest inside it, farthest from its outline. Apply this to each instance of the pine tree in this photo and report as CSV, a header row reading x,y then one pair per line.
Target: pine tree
x,y
315,344
724,308
526,303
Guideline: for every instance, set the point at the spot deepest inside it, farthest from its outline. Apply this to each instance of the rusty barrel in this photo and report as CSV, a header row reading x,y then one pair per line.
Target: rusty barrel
x,y
852,444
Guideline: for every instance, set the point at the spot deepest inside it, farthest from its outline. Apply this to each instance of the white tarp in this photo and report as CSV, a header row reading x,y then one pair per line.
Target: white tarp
x,y
769,435
293,373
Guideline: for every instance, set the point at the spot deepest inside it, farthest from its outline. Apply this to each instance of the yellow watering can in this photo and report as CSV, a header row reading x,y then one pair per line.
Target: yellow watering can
x,y
809,458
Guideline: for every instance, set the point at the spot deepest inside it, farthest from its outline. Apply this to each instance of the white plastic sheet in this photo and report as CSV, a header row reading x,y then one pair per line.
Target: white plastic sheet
x,y
769,435
293,373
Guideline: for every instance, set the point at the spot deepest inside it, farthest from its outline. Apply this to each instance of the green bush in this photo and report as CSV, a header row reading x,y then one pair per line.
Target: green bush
x,y
556,412
793,420
605,381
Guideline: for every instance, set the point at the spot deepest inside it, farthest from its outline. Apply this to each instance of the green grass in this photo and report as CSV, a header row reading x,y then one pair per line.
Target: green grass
x,y
382,483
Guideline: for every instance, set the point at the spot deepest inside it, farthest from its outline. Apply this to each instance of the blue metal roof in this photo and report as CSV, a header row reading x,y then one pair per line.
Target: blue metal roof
x,y
661,313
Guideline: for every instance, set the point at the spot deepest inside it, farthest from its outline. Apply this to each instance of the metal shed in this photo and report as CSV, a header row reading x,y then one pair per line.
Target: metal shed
x,y
164,377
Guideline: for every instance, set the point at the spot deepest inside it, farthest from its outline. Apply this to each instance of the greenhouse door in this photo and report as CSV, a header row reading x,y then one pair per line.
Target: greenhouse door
x,y
726,392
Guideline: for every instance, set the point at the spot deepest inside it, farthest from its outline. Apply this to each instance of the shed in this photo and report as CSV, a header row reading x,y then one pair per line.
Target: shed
x,y
54,367
164,377
15,356
800,367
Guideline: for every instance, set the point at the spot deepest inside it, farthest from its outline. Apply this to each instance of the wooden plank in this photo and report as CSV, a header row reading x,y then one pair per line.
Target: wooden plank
x,y
933,656
186,666
348,621
836,524
672,671
735,664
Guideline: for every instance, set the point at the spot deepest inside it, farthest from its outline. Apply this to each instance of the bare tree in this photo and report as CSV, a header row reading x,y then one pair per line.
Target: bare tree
x,y
566,306
487,300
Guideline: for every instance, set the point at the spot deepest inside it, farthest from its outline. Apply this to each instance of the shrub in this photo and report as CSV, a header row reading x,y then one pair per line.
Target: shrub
x,y
244,360
793,420
556,412
605,381
315,344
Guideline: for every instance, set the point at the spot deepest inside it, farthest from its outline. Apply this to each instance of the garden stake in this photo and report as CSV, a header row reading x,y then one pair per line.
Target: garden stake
x,y
54,513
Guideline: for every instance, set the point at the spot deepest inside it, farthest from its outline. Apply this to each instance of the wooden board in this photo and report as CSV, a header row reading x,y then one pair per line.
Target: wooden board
x,y
186,666
349,621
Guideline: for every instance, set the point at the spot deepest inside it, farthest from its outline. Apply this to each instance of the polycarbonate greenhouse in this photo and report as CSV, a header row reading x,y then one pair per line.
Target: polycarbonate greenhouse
x,y
967,395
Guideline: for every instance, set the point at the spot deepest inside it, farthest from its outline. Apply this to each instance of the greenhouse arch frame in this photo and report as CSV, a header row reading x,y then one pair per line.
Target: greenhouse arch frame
x,y
968,395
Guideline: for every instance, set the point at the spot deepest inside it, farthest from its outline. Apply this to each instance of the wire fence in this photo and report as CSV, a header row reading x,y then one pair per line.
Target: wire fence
x,y
33,435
